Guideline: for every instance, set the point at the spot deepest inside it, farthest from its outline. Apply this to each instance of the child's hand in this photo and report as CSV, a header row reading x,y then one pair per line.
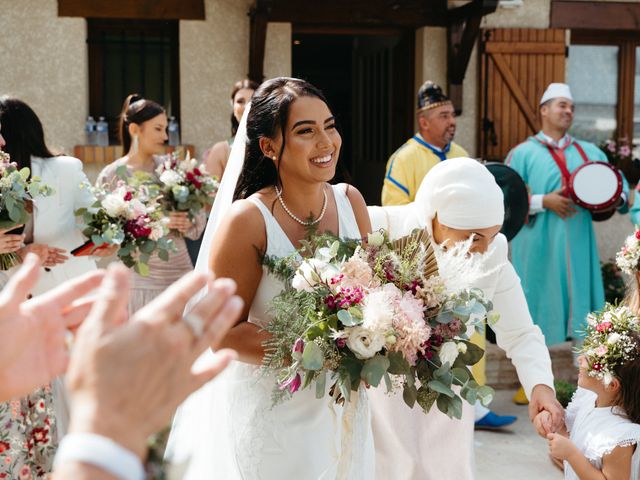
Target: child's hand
x,y
560,447
543,423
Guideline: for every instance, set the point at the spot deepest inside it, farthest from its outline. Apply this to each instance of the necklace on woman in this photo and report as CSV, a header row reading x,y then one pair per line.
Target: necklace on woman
x,y
302,222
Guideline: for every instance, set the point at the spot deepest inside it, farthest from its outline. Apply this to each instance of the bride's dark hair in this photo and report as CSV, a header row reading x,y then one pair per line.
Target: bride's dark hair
x,y
269,113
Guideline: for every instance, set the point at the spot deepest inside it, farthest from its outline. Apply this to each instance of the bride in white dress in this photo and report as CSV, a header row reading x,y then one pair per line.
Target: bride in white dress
x,y
230,428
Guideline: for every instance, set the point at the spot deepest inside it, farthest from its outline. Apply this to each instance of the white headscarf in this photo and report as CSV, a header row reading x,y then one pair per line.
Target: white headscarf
x,y
462,193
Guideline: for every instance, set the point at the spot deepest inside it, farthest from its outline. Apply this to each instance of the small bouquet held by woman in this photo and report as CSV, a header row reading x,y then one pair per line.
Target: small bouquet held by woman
x,y
130,217
184,186
17,192
377,311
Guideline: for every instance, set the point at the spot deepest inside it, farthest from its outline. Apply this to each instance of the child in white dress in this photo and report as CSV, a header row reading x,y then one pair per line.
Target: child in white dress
x,y
602,421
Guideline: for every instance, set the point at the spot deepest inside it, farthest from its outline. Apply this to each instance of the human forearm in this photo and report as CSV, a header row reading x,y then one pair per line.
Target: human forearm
x,y
248,340
583,468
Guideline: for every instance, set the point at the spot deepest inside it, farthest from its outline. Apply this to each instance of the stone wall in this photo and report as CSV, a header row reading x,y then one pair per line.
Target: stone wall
x,y
46,64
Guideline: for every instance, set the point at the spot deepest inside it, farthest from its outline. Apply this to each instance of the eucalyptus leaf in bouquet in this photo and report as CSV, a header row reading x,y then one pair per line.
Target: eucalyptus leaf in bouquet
x,y
17,191
378,313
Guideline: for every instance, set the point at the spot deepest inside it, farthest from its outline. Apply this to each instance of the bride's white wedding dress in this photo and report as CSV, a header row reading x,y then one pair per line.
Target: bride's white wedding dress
x,y
230,429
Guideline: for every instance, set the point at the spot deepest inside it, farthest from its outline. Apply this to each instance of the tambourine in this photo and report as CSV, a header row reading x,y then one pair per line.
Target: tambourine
x,y
516,197
596,186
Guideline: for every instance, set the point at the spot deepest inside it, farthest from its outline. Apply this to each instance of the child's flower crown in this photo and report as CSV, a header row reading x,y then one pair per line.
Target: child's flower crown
x,y
608,343
628,258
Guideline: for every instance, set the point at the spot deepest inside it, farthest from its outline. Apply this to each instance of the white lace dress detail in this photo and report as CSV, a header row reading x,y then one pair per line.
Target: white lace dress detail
x,y
596,431
242,436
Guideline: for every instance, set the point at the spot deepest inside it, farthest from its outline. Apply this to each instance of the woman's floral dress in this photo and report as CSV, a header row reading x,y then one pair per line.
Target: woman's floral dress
x,y
28,436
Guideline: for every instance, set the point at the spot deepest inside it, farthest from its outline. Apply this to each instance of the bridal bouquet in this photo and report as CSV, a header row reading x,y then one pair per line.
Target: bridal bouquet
x,y
17,191
184,187
131,217
374,312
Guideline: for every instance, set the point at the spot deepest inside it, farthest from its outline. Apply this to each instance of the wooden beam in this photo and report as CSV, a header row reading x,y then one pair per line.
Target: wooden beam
x,y
257,41
525,47
515,89
138,9
361,13
595,15
462,33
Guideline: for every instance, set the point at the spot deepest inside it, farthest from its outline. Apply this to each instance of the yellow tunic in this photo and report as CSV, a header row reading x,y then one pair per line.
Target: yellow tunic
x,y
407,167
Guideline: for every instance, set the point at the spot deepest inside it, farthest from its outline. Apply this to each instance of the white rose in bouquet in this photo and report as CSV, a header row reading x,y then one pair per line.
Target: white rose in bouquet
x,y
311,272
448,353
365,343
170,178
114,204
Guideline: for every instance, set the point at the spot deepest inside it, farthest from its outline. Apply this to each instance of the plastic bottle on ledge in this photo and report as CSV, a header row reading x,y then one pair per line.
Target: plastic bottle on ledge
x,y
102,132
90,131
174,132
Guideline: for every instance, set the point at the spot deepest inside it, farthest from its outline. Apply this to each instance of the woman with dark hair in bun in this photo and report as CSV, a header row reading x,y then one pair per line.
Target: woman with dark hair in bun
x,y
143,133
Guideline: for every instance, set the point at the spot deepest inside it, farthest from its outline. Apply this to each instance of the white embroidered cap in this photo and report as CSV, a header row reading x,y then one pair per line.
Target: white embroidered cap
x,y
462,193
556,90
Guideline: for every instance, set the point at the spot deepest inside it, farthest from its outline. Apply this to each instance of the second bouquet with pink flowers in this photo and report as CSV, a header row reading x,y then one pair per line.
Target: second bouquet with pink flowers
x,y
184,186
378,313
130,216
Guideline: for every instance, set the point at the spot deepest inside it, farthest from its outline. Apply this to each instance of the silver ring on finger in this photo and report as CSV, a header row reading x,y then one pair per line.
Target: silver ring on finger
x,y
195,323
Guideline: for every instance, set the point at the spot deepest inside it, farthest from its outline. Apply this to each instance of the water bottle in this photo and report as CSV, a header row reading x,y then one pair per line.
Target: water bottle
x,y
90,131
174,132
102,132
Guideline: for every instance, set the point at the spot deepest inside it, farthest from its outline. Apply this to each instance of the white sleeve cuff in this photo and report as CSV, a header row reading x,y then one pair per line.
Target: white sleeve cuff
x,y
535,204
101,452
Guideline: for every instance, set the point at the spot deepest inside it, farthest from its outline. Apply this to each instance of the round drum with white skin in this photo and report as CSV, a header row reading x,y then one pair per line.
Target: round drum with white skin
x,y
595,186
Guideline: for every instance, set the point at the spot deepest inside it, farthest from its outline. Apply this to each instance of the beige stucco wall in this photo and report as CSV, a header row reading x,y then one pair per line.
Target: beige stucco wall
x,y
44,63
431,61
214,54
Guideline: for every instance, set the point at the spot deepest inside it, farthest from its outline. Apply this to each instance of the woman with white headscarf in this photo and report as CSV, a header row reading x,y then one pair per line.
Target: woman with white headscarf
x,y
458,199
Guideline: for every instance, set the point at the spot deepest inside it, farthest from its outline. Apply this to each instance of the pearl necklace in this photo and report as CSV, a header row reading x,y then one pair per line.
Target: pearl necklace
x,y
302,222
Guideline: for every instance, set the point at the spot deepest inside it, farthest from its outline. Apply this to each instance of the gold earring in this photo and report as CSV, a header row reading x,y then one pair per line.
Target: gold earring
x,y
274,158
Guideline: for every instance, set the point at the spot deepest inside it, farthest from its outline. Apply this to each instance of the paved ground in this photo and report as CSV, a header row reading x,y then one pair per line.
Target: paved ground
x,y
514,453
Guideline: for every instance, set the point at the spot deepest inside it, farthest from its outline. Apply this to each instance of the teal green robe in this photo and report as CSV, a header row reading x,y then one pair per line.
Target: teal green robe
x,y
557,260
635,209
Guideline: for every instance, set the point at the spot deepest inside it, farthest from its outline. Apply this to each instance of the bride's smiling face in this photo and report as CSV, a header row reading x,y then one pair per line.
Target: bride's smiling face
x,y
312,142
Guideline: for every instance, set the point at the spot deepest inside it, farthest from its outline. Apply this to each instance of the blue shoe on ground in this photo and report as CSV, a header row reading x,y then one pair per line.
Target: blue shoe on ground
x,y
493,421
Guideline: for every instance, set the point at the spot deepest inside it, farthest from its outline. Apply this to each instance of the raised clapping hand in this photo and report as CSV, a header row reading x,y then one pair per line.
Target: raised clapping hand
x,y
543,399
50,256
33,331
126,379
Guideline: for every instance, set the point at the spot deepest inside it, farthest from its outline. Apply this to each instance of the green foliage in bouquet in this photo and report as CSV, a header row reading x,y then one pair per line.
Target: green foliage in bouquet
x,y
184,187
129,216
17,191
374,313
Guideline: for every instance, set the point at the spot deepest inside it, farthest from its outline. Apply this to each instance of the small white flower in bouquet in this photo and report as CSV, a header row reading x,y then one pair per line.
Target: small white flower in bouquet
x,y
355,313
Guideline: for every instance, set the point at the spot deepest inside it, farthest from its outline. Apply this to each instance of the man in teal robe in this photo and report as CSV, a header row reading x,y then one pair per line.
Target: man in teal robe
x,y
555,253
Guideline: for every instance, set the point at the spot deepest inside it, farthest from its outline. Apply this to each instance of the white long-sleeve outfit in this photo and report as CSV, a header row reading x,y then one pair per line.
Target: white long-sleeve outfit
x,y
412,445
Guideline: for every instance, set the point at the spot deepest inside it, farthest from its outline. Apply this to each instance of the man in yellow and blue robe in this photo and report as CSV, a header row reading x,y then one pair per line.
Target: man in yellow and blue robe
x,y
408,165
